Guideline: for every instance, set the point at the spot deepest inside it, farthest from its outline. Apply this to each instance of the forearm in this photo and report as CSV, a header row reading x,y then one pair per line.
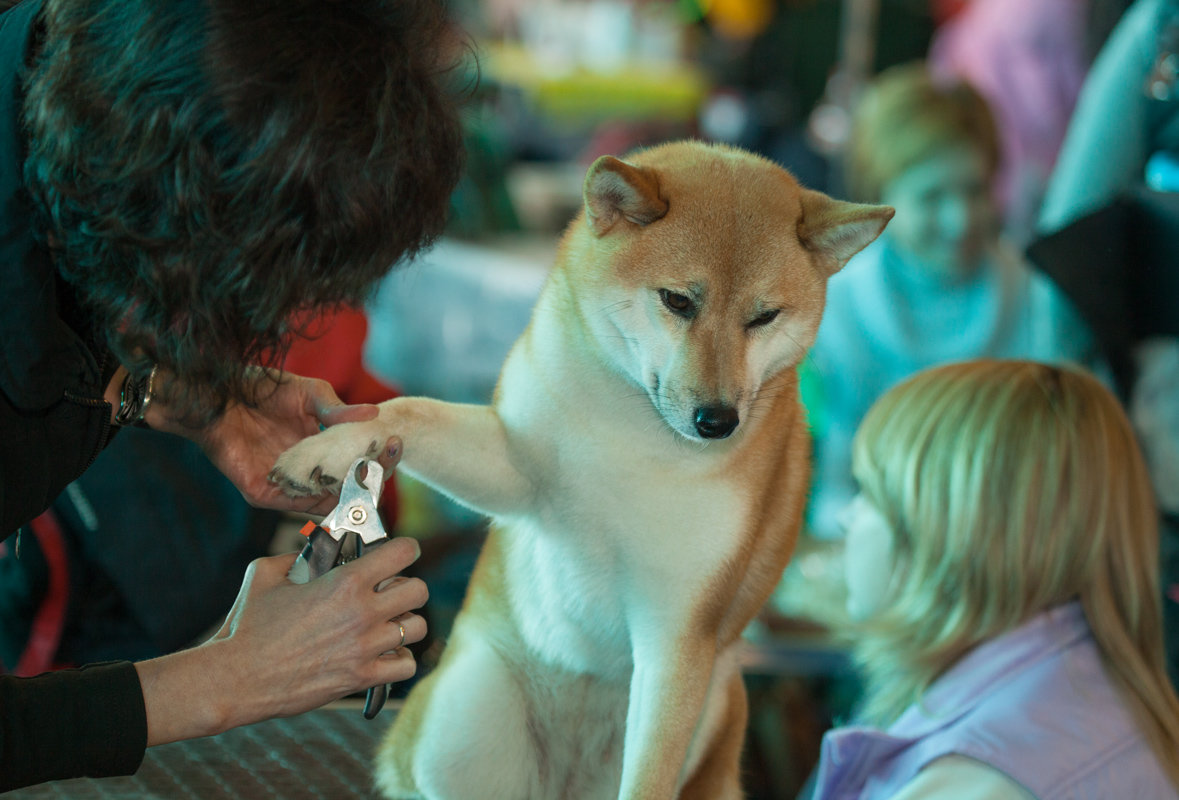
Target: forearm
x,y
461,449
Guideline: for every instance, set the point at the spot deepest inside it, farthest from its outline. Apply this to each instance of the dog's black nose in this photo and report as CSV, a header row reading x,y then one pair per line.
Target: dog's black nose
x,y
716,422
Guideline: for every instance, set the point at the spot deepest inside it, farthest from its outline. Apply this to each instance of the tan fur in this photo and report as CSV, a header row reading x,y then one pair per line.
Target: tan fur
x,y
597,652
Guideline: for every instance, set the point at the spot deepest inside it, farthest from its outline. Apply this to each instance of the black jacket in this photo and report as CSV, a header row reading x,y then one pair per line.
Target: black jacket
x,y
53,422
53,366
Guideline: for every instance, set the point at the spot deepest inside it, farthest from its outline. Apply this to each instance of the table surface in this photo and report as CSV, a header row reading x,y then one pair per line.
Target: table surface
x,y
324,754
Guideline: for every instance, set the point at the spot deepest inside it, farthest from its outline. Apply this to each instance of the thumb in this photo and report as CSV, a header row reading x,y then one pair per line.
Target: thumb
x,y
261,574
334,414
270,571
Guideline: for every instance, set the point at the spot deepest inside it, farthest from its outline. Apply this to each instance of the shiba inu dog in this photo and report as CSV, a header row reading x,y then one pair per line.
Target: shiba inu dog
x,y
644,463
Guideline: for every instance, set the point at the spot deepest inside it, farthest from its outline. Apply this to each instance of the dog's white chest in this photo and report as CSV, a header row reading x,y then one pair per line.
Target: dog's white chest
x,y
618,543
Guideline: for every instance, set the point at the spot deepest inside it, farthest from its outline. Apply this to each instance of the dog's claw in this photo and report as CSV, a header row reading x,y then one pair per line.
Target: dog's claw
x,y
321,481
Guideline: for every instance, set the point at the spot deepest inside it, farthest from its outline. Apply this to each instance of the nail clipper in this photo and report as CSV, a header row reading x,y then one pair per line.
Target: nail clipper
x,y
352,527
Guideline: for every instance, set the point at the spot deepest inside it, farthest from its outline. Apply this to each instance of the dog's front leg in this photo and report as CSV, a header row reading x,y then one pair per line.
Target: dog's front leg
x,y
667,695
461,450
464,451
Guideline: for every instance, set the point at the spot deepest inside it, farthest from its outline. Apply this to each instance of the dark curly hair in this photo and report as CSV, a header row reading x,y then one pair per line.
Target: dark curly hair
x,y
207,169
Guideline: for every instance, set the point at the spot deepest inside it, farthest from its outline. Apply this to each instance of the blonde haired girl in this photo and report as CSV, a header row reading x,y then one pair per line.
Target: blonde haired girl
x,y
1015,649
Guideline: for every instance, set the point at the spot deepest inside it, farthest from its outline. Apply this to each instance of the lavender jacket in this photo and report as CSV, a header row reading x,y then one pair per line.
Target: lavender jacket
x,y
1035,704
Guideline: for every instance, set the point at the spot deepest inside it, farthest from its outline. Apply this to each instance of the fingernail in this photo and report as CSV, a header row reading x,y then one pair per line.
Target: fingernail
x,y
417,547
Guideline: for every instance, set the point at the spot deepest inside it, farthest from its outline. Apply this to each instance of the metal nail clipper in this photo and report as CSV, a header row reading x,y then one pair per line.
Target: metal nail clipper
x,y
352,527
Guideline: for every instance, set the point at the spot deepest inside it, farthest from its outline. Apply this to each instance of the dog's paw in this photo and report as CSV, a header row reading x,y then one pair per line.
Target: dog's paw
x,y
319,463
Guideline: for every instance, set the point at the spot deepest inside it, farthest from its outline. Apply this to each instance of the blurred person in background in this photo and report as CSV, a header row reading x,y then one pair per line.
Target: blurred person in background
x,y
1125,129
1030,75
1109,234
939,285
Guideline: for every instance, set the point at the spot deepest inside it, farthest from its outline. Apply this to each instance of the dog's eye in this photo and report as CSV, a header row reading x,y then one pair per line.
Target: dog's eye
x,y
678,304
764,319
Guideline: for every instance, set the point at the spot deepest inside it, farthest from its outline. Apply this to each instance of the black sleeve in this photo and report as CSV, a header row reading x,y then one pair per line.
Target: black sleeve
x,y
88,722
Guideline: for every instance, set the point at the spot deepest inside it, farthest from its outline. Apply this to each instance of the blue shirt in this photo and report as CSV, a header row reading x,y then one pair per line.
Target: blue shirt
x,y
887,319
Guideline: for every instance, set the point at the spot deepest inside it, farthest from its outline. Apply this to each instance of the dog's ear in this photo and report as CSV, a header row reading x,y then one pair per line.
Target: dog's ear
x,y
616,190
835,230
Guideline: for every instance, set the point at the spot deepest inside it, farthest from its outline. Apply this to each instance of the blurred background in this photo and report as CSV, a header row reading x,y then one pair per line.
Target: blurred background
x,y
550,85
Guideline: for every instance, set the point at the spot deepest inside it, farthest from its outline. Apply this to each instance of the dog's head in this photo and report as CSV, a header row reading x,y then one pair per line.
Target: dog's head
x,y
702,272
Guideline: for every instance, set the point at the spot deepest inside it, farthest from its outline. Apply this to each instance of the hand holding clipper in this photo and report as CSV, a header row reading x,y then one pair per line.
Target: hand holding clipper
x,y
353,526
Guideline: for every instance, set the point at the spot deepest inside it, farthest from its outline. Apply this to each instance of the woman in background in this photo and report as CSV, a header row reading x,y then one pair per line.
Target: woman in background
x,y
939,285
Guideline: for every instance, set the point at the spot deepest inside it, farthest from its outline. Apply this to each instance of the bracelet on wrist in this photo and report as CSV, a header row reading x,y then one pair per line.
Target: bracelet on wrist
x,y
135,398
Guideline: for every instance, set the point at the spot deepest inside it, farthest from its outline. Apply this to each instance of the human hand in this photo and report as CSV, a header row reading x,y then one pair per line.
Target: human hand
x,y
245,442
286,648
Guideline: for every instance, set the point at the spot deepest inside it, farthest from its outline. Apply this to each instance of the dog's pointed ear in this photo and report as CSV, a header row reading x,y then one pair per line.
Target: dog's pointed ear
x,y
835,230
616,190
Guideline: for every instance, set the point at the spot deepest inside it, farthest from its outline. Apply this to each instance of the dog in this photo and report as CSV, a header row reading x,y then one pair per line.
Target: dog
x,y
644,463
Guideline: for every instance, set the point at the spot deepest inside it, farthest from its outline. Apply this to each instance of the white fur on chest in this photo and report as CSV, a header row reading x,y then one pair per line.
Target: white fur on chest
x,y
630,520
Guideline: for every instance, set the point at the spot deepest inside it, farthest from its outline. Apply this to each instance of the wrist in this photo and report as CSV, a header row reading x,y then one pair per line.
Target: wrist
x,y
202,691
136,396
113,389
182,698
156,416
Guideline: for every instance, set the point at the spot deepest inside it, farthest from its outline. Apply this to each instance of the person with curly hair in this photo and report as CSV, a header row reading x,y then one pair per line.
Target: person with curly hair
x,y
180,181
